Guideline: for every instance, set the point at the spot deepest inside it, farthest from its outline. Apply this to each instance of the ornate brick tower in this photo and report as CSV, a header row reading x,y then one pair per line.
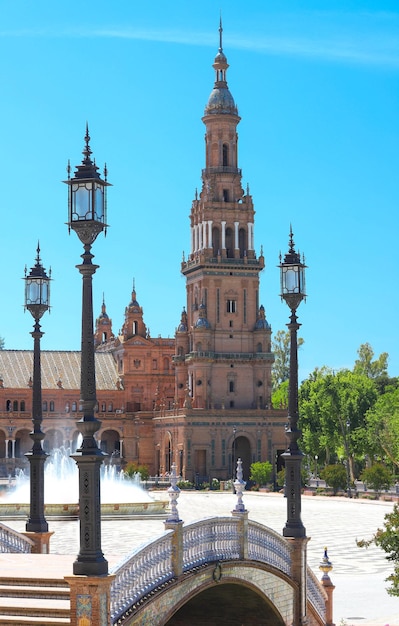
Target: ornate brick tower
x,y
228,363
223,355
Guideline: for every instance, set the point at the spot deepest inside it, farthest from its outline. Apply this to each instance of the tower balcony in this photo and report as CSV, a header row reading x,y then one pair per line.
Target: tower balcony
x,y
203,259
222,169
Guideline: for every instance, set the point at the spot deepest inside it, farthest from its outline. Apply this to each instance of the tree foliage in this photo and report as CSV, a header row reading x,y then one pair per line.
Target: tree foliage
x,y
335,476
382,421
2,343
388,540
367,366
261,473
377,477
332,414
281,348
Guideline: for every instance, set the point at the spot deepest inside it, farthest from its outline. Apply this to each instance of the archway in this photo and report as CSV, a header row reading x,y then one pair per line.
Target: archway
x,y
241,449
110,441
229,604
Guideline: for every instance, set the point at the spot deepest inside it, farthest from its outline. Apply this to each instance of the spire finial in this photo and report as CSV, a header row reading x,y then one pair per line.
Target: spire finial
x,y
220,34
134,284
87,150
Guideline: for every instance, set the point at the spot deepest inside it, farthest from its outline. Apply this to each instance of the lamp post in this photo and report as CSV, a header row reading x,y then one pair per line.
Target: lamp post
x,y
316,458
87,217
37,301
292,278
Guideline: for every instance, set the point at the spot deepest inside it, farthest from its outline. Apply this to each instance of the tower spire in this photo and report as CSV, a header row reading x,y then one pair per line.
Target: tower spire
x,y
220,35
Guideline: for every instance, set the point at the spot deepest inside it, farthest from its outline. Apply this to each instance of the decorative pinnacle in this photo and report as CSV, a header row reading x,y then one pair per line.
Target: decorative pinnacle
x,y
220,35
325,565
87,150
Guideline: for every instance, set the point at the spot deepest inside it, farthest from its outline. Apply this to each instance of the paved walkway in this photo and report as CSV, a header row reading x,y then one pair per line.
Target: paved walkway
x,y
360,596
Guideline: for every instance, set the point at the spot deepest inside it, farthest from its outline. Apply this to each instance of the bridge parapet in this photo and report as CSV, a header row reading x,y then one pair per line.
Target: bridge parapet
x,y
212,539
140,573
269,547
156,564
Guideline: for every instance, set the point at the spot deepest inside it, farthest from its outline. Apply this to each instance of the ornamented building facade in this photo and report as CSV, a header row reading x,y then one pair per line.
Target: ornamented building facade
x,y
202,399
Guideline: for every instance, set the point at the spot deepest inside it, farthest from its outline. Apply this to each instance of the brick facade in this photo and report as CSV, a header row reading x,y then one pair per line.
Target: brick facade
x,y
202,399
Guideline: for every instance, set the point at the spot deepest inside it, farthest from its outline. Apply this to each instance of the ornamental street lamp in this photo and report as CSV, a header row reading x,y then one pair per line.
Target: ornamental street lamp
x,y
37,301
292,277
87,217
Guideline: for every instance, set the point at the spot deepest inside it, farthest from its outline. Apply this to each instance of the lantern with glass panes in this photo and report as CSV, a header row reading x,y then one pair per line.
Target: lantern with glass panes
x,y
87,197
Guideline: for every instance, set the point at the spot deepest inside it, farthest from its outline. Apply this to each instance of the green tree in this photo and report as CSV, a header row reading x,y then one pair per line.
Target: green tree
x,y
388,540
335,476
332,410
365,364
377,477
261,473
281,348
2,343
383,425
280,396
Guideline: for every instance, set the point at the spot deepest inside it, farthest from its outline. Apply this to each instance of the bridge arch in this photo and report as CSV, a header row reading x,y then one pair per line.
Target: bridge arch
x,y
228,602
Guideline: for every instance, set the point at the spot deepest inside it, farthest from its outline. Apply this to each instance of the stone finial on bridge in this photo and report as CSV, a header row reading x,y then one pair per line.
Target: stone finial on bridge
x,y
173,493
239,486
326,567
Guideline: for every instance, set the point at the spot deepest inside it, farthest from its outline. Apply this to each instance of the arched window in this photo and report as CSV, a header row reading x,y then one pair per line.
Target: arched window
x,y
52,405
225,154
67,407
180,350
15,405
135,328
8,405
231,386
199,347
166,364
215,241
110,407
104,338
229,243
259,348
242,237
74,406
44,405
22,407
103,407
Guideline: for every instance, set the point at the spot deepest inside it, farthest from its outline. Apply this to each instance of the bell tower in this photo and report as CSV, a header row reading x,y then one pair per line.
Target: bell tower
x,y
226,361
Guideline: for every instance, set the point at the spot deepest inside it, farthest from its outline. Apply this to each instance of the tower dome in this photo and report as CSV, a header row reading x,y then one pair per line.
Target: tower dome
x,y
220,99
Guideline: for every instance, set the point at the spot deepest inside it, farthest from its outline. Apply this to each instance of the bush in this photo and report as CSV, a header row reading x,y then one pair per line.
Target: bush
x,y
377,477
133,468
335,477
261,473
185,484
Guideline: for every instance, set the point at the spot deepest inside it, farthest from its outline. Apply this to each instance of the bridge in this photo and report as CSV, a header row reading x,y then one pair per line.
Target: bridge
x,y
220,567
218,570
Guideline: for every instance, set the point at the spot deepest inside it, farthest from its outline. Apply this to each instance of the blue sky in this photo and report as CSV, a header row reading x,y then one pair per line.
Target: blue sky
x,y
316,85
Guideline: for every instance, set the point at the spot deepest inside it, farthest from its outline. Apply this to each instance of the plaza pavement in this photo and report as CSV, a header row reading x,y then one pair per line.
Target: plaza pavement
x,y
360,596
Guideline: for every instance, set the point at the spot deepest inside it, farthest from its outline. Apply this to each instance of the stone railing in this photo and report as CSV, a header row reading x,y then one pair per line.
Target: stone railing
x,y
269,547
11,541
182,548
214,539
140,573
316,594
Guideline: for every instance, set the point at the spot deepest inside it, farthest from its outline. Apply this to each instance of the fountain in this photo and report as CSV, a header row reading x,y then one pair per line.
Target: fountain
x,y
120,496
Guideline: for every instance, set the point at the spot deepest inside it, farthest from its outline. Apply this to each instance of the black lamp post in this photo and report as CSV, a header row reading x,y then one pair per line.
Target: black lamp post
x,y
87,217
37,301
292,276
